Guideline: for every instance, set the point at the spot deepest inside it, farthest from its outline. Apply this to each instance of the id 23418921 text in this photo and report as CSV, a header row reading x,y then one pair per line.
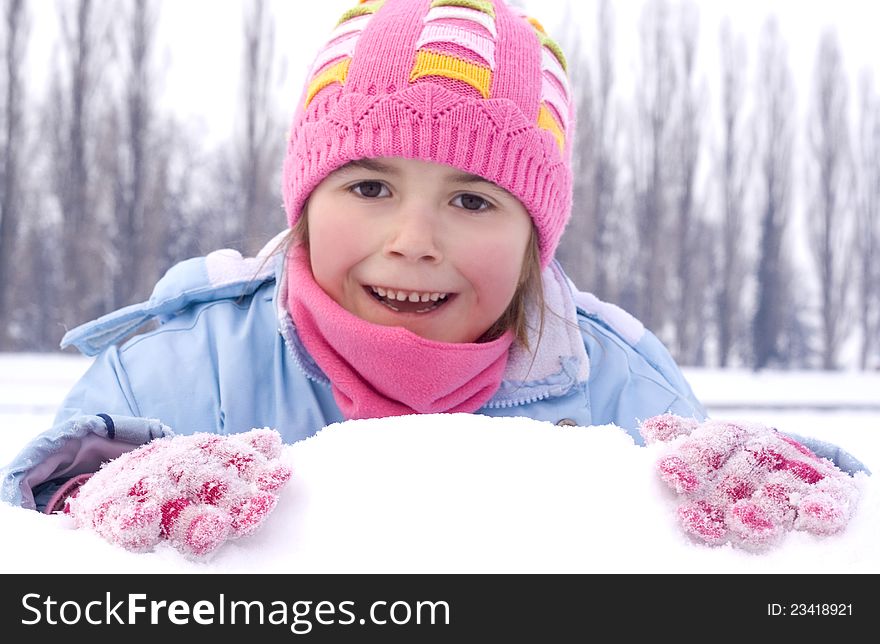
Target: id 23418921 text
x,y
797,610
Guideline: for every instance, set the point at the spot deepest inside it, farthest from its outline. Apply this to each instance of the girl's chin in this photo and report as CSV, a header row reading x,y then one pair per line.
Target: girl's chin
x,y
436,332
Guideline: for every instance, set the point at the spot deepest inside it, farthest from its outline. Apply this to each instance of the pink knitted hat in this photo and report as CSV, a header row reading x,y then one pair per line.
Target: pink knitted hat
x,y
472,84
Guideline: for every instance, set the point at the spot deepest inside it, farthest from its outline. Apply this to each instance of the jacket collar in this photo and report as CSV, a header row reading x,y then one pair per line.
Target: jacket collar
x,y
558,360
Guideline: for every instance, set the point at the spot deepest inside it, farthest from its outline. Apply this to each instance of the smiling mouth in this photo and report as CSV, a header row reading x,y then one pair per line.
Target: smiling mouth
x,y
409,301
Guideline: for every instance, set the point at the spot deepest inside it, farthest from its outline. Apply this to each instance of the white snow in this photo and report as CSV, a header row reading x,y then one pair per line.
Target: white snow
x,y
471,494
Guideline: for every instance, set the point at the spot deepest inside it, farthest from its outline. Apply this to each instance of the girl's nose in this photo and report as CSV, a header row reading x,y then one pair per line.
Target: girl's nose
x,y
414,237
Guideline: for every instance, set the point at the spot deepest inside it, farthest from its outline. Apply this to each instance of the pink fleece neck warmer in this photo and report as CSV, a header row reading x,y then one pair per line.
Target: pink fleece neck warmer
x,y
378,371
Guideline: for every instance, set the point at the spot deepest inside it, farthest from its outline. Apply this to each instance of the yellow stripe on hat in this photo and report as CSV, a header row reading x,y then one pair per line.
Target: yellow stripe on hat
x,y
537,25
338,73
546,121
429,63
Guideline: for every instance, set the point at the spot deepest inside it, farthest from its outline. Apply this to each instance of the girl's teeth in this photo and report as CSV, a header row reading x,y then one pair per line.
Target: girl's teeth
x,y
403,296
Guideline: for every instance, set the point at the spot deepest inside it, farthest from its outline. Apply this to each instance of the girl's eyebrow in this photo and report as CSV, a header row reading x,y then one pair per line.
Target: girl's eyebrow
x,y
455,176
368,164
478,182
464,177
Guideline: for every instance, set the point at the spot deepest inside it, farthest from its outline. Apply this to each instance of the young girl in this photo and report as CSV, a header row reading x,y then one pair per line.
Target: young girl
x,y
427,183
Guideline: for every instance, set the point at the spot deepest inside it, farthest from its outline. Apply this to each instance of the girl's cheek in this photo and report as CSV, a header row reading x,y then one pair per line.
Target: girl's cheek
x,y
496,272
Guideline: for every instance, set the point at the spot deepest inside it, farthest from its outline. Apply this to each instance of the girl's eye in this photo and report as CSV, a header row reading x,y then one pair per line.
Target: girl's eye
x,y
471,202
370,189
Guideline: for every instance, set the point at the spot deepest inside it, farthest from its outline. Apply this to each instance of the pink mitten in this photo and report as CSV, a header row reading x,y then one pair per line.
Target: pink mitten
x,y
747,483
194,491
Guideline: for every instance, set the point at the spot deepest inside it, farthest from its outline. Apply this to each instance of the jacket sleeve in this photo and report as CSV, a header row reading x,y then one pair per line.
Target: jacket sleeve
x,y
837,455
633,377
105,387
101,417
97,421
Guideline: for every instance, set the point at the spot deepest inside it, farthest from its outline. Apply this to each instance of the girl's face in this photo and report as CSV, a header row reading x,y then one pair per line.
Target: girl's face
x,y
418,245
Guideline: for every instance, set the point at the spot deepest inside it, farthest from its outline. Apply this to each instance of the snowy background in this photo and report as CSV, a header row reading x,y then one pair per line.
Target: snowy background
x,y
461,494
441,494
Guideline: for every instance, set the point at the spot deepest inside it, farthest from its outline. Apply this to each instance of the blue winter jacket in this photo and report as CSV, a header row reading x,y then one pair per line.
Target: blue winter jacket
x,y
224,357
212,351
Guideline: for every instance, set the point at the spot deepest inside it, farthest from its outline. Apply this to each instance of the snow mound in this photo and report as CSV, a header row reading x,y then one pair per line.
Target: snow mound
x,y
459,494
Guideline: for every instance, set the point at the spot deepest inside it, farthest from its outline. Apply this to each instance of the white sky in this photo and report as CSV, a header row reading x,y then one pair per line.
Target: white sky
x,y
302,28
201,42
466,494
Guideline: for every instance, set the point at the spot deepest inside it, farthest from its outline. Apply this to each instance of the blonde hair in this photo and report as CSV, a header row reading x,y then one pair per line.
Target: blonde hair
x,y
529,292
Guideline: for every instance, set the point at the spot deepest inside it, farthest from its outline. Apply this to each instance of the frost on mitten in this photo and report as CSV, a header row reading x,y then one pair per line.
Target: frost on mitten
x,y
194,491
748,484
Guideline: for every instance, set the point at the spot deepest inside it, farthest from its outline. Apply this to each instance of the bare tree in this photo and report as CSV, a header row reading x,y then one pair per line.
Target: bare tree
x,y
602,199
588,248
190,219
868,222
656,88
691,286
796,348
136,159
775,102
15,30
132,218
734,180
829,213
72,120
260,149
576,246
37,325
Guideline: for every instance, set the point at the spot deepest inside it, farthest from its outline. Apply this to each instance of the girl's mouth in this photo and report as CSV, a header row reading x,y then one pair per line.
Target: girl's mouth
x,y
409,301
